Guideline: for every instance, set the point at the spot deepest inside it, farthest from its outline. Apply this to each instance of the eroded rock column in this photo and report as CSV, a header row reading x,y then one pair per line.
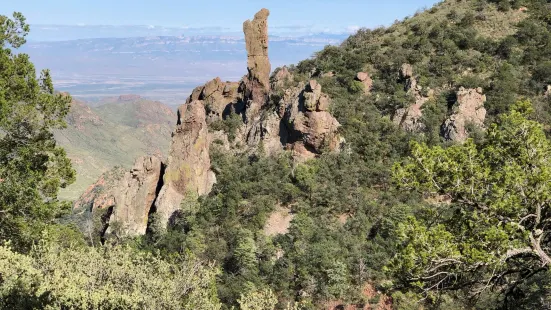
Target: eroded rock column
x,y
188,165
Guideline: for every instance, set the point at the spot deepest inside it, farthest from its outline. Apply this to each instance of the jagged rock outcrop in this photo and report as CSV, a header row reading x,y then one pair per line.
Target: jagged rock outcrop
x,y
281,77
188,165
410,118
257,83
127,197
366,81
299,122
469,109
312,95
311,128
217,97
138,192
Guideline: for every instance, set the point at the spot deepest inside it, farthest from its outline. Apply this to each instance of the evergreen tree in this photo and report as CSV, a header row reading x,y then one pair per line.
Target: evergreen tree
x,y
490,226
32,167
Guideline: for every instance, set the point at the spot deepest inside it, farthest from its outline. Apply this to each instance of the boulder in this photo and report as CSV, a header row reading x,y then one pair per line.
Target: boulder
x,y
217,96
323,103
409,118
312,94
469,109
318,130
310,128
366,81
269,132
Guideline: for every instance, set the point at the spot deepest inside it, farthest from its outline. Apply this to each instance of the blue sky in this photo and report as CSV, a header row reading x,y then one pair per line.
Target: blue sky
x,y
328,15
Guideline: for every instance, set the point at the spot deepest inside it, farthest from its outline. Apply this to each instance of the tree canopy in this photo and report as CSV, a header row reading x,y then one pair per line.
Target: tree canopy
x,y
32,167
488,225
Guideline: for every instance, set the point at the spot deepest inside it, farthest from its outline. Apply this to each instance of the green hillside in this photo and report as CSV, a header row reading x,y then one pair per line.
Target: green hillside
x,y
400,218
112,134
347,207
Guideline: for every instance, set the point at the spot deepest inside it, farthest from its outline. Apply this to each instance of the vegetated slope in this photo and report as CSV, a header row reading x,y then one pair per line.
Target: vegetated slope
x,y
113,134
345,207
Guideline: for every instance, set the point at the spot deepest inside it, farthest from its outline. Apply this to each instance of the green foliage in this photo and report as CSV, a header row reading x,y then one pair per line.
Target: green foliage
x,y
492,232
32,167
254,299
229,125
52,277
463,218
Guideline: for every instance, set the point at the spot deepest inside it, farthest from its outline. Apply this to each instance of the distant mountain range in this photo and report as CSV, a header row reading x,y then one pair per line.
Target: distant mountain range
x,y
111,134
75,32
162,68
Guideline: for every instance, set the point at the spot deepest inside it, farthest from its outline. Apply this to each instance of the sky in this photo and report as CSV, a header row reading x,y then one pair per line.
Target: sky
x,y
322,15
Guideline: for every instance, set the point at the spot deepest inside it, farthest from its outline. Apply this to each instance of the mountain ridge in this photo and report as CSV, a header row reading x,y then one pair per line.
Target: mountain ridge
x,y
112,134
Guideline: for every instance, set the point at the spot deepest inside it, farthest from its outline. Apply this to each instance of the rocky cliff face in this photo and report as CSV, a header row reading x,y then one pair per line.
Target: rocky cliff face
x,y
127,197
256,42
469,110
410,118
299,122
310,127
188,164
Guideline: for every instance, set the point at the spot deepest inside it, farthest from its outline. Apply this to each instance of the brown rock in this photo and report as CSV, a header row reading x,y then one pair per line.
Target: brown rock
x,y
410,118
216,96
290,103
135,196
366,81
310,127
362,76
323,103
196,93
319,129
128,196
312,94
281,77
256,42
406,71
470,109
230,90
188,165
215,85
300,152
